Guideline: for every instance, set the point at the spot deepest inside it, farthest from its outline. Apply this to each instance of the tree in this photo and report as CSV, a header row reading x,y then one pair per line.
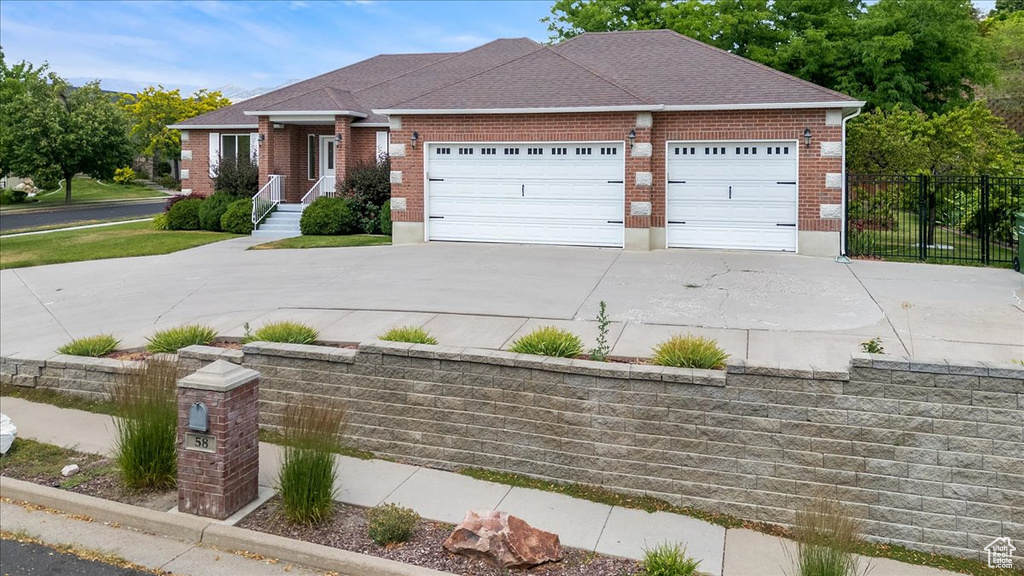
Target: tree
x,y
1006,8
1006,39
154,108
51,126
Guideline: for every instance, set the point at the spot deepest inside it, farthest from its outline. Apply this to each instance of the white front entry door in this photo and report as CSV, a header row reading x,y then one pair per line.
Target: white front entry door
x,y
525,192
735,194
327,146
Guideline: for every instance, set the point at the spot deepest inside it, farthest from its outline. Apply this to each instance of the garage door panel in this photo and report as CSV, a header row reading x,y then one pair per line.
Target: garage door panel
x,y
728,234
546,231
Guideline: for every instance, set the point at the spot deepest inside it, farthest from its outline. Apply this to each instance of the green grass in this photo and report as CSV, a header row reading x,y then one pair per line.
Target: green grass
x,y
326,242
64,225
147,425
391,524
667,560
85,190
171,340
119,241
690,352
94,346
549,341
412,334
284,331
58,399
306,480
30,459
900,244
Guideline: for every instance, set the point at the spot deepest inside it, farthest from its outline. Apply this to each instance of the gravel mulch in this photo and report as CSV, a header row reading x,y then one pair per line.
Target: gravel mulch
x,y
347,531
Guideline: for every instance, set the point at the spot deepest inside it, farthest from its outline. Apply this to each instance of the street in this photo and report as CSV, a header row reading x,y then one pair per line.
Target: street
x,y
17,559
59,215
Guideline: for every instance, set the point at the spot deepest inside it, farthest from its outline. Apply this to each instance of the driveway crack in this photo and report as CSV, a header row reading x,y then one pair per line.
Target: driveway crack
x,y
906,350
45,307
179,302
596,284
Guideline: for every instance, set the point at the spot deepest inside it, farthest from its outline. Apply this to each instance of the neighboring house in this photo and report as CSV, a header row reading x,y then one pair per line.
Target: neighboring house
x,y
640,140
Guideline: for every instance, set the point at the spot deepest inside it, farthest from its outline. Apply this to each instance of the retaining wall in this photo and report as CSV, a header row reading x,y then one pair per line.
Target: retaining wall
x,y
929,454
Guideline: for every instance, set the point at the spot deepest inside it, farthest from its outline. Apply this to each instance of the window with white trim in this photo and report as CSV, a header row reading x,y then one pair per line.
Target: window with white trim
x,y
236,146
311,157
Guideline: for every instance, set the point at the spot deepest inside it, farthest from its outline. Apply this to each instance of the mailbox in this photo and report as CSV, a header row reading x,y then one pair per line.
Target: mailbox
x,y
198,418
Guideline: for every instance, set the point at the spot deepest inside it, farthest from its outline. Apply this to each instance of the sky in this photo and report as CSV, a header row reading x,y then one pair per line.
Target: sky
x,y
214,44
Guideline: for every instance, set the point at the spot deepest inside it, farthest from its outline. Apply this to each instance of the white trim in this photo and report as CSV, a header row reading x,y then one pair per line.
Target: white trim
x,y
411,111
764,106
324,145
842,199
212,126
370,125
304,113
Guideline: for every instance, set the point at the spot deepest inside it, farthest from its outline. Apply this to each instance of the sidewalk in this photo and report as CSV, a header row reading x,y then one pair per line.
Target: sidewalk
x,y
445,496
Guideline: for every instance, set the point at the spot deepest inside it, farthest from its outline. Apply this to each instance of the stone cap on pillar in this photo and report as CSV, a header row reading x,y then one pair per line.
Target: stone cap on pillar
x,y
219,376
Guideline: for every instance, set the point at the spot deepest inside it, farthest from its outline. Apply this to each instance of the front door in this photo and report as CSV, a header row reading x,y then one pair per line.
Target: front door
x,y
327,145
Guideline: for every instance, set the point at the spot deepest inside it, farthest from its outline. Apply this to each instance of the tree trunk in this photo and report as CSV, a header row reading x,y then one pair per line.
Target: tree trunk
x,y
67,188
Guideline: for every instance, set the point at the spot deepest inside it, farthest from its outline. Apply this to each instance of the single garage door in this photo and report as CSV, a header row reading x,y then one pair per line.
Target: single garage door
x,y
564,193
740,195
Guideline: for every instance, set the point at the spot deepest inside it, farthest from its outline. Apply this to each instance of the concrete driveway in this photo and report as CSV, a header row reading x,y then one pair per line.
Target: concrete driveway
x,y
759,306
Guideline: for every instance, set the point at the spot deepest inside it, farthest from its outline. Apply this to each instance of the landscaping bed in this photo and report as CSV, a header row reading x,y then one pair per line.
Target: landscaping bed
x,y
347,530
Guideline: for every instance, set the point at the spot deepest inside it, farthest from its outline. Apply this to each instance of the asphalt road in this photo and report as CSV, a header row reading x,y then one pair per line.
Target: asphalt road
x,y
14,220
17,559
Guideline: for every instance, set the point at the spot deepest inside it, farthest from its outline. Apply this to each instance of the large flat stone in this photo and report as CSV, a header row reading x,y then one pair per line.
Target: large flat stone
x,y
578,523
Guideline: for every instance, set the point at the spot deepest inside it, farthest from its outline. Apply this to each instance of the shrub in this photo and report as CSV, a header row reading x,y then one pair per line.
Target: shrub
x,y
667,560
690,352
212,209
549,341
237,219
328,217
146,420
413,334
184,214
171,340
161,169
368,186
95,346
873,346
601,351
287,332
391,524
13,196
160,222
169,182
174,200
385,218
826,538
239,178
308,467
124,176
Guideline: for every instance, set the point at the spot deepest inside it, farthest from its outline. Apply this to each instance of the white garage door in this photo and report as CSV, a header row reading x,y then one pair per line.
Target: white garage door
x,y
565,193
732,195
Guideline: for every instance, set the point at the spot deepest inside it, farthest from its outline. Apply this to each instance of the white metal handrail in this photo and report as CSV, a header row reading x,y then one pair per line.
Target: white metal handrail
x,y
323,187
267,198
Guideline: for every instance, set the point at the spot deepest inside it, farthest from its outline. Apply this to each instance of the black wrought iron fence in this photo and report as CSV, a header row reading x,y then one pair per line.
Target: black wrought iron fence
x,y
957,219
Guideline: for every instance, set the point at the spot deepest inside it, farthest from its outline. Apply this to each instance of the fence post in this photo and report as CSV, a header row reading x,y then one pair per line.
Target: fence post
x,y
983,225
922,217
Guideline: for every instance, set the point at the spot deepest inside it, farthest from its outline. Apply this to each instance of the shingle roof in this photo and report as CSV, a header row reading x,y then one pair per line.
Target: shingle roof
x,y
631,69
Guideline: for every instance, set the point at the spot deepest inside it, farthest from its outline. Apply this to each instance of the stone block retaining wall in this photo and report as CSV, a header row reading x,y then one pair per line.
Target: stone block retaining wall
x,y
929,454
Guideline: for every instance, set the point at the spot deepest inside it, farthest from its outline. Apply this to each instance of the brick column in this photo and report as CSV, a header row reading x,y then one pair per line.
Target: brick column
x,y
343,153
639,185
218,470
266,155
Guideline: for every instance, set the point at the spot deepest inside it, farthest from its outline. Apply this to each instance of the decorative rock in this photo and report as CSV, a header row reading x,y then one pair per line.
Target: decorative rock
x,y
7,433
503,540
69,470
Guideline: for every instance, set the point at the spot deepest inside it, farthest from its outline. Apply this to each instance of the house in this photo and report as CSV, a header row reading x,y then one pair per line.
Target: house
x,y
639,140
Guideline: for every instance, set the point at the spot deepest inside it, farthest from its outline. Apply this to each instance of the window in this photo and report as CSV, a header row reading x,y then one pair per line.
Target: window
x,y
511,151
442,151
535,151
584,151
488,151
609,151
559,151
311,157
235,146
465,150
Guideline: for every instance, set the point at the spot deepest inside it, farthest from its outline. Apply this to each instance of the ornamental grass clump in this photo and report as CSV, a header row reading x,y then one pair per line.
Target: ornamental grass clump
x,y
391,524
826,537
95,346
284,331
171,340
146,421
311,436
549,341
690,352
412,334
667,560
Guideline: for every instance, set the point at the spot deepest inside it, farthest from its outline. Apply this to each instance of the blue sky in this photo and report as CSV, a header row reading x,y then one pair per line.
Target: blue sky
x,y
188,45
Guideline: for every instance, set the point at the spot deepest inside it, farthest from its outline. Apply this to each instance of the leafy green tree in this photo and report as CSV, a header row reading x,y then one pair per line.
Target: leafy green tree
x,y
50,126
155,107
1005,8
1006,39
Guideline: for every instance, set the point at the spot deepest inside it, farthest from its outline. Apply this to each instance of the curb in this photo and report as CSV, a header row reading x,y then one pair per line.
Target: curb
x,y
208,532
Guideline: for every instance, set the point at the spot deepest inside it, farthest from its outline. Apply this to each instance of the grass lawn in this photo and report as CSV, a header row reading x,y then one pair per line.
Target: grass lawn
x,y
71,225
326,242
119,241
87,190
901,245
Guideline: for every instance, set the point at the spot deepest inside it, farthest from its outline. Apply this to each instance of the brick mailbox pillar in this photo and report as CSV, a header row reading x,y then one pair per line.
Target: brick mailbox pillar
x,y
218,468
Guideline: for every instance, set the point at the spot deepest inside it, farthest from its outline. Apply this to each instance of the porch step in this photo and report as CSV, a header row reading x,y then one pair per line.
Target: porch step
x,y
282,223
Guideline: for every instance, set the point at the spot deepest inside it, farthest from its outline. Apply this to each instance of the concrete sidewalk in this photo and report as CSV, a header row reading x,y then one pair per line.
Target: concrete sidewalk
x,y
445,496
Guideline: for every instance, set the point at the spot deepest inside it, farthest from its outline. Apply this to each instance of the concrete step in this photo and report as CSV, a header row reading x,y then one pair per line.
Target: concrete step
x,y
290,208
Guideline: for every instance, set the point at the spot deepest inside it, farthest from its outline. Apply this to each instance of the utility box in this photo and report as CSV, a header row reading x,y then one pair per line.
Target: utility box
x,y
1018,233
218,440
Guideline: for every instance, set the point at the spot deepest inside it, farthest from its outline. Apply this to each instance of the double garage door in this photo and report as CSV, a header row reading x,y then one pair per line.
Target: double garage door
x,y
736,194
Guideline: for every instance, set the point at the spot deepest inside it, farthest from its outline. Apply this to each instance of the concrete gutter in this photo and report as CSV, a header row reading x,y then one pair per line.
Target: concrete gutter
x,y
208,532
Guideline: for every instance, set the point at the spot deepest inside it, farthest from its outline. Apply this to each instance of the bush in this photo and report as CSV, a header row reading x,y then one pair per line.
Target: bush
x,y
826,538
174,200
124,176
161,169
146,420
413,334
667,560
368,186
308,467
47,180
549,341
690,352
160,222
13,196
287,332
328,217
212,209
239,178
169,182
171,340
184,214
385,218
94,346
391,524
237,219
